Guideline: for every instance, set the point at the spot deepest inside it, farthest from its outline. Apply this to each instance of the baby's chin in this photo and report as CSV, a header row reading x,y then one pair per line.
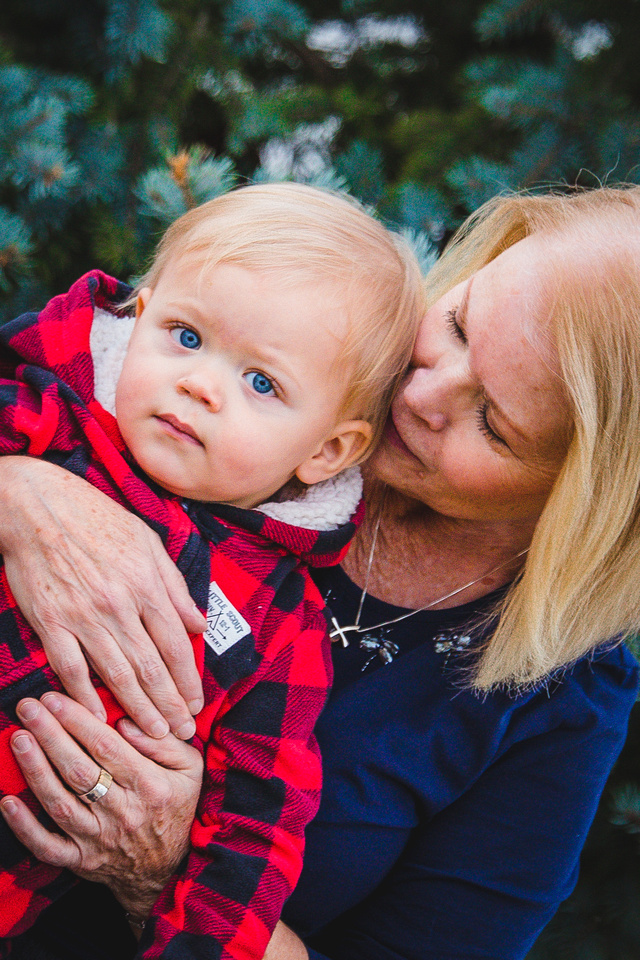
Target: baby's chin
x,y
164,478
155,468
187,491
177,490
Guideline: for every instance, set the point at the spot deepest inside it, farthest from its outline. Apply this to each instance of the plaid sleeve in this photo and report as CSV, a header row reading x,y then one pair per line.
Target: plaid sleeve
x,y
38,408
8,362
262,786
28,419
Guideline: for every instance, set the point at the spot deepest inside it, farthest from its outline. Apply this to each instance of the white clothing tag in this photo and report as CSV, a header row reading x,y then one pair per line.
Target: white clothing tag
x,y
225,625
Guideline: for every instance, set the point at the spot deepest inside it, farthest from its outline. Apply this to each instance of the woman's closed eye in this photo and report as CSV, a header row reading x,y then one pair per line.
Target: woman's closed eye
x,y
260,383
486,428
454,325
186,337
482,413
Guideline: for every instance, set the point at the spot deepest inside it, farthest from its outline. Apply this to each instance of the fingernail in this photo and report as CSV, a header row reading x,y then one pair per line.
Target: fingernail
x,y
9,805
186,731
199,613
21,744
195,706
52,702
129,727
28,710
159,729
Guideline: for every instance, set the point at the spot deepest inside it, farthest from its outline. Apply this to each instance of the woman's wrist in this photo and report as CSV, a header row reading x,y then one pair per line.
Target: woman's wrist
x,y
137,905
26,483
14,474
137,899
137,926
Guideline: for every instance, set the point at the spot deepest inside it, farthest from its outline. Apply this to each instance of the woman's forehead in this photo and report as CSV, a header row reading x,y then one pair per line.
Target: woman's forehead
x,y
520,272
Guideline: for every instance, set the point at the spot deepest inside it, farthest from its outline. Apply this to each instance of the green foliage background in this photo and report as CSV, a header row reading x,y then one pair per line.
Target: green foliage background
x,y
119,114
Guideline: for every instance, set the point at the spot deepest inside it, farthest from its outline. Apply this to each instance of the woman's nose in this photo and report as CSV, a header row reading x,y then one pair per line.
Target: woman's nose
x,y
204,387
433,393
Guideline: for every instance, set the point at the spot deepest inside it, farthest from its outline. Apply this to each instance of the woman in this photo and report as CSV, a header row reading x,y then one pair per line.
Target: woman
x,y
480,701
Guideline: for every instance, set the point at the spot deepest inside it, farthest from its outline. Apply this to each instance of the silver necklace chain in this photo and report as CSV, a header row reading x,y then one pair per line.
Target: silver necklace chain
x,y
338,632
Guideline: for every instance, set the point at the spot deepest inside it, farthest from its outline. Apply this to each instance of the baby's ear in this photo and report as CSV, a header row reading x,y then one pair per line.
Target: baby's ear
x,y
346,445
142,300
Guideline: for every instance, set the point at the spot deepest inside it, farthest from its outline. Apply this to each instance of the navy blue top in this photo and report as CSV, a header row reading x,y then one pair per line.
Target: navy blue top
x,y
451,823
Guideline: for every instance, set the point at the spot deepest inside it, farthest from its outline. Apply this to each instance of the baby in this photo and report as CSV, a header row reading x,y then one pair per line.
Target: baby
x,y
268,338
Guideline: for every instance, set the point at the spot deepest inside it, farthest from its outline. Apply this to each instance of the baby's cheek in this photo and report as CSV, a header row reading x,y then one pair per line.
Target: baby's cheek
x,y
127,403
135,385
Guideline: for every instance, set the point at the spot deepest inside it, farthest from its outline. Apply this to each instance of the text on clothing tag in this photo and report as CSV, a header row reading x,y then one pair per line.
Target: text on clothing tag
x,y
225,625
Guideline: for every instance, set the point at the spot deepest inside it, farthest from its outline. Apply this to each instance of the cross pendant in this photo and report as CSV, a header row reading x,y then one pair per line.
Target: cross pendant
x,y
339,631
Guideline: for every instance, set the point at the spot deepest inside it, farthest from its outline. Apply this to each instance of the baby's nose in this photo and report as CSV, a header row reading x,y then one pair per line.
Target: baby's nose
x,y
203,388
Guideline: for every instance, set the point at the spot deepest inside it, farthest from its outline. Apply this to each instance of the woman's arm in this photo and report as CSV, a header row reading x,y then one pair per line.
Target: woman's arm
x,y
133,838
94,581
285,945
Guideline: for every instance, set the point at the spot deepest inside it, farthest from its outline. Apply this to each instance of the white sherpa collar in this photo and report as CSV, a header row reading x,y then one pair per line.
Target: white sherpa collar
x,y
110,336
324,506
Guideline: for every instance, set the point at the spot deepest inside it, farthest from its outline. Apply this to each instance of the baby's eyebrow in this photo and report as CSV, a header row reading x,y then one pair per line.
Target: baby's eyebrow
x,y
276,364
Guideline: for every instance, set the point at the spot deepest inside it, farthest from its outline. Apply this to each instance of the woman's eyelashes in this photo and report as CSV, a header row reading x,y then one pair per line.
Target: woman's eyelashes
x,y
485,426
482,413
454,326
186,337
260,383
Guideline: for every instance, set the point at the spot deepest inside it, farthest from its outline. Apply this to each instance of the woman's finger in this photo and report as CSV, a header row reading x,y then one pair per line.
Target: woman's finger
x,y
68,732
79,770
168,654
77,743
170,752
124,656
140,680
63,806
67,660
141,650
131,665
59,851
167,637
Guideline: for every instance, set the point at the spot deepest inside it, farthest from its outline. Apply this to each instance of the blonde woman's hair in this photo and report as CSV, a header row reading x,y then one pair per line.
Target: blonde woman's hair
x,y
305,235
581,581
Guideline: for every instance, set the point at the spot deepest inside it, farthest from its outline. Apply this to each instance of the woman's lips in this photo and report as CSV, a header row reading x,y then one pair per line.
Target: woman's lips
x,y
178,429
392,436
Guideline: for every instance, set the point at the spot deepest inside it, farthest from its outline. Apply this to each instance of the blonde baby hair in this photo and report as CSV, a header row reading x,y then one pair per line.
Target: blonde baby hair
x,y
579,586
302,234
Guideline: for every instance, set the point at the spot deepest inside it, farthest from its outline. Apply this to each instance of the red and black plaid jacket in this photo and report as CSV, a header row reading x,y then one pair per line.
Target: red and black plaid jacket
x,y
265,656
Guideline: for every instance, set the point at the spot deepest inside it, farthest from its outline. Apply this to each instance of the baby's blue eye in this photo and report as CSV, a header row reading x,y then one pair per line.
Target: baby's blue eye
x,y
186,338
259,382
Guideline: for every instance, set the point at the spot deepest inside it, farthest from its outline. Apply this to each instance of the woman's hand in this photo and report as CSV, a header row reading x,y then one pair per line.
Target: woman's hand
x,y
285,945
90,576
133,838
